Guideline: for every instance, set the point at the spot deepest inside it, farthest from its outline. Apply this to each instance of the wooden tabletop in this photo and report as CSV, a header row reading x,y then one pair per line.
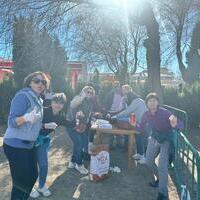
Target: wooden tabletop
x,y
115,130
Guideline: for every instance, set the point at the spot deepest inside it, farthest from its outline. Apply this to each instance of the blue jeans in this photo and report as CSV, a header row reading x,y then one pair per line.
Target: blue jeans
x,y
141,143
80,145
42,160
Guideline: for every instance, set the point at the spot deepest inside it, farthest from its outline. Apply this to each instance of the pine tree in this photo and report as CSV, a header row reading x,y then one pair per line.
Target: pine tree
x,y
34,50
24,49
59,69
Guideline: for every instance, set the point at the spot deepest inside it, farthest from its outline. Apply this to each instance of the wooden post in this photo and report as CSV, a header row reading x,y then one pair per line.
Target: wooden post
x,y
131,143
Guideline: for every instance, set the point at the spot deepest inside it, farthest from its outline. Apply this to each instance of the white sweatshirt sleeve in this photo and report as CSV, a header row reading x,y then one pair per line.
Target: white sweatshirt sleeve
x,y
76,101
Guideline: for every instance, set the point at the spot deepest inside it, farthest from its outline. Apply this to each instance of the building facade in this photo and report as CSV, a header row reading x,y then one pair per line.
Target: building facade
x,y
5,68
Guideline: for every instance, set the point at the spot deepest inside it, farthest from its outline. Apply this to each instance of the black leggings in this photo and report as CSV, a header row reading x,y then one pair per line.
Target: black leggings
x,y
23,169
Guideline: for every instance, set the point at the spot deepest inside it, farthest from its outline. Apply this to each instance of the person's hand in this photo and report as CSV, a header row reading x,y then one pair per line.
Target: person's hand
x,y
51,125
108,116
80,128
32,116
80,115
97,115
173,121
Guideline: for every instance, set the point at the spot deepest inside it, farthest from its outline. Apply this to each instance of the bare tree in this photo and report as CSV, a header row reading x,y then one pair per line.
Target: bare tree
x,y
178,17
48,14
138,34
105,39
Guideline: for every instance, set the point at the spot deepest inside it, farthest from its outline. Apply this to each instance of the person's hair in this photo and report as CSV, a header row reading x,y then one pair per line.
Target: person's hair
x,y
151,95
127,87
88,88
29,78
59,98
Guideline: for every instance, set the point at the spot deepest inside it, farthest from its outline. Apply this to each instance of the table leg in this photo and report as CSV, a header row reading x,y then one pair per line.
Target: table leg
x,y
99,137
131,143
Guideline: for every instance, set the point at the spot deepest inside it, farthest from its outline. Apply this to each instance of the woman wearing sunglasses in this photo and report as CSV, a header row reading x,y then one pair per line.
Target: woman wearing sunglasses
x,y
24,123
52,118
80,110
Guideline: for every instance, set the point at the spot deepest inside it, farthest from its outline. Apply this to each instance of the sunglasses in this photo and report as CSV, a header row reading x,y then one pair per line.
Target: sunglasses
x,y
58,101
90,92
37,81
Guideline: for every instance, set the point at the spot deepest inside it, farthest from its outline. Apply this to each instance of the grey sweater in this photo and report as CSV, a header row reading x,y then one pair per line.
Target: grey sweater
x,y
19,107
137,106
80,104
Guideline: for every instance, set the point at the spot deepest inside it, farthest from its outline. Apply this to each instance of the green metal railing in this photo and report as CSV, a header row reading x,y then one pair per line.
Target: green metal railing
x,y
187,160
181,114
187,166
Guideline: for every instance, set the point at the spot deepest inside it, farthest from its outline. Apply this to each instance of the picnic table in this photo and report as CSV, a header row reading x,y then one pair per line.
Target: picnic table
x,y
116,131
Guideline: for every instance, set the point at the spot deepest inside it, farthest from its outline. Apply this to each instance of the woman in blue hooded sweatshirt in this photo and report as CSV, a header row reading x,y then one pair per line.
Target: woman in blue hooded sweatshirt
x,y
24,123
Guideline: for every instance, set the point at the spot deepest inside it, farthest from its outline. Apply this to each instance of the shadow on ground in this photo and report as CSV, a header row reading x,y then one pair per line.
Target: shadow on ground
x,y
68,184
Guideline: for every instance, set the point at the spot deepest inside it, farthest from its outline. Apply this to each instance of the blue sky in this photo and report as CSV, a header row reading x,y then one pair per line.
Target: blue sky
x,y
115,4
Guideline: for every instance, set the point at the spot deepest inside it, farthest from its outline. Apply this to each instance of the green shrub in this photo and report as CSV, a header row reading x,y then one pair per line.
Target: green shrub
x,y
141,89
171,97
188,100
7,91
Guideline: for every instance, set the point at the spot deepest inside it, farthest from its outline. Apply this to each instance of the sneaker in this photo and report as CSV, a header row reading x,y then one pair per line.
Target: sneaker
x,y
45,191
71,165
81,169
138,156
142,161
34,193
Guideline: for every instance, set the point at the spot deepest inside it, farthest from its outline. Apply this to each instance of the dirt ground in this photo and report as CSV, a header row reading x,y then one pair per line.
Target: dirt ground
x,y
67,184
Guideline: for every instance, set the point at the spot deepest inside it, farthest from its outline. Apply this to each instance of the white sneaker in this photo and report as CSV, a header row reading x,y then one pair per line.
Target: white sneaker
x,y
138,156
71,165
142,160
34,193
45,191
81,169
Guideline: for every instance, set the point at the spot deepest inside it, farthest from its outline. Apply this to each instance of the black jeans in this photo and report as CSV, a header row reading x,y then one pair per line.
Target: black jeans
x,y
23,169
91,134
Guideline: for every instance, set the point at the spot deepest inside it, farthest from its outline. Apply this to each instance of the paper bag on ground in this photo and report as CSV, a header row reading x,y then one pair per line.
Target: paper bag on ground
x,y
99,163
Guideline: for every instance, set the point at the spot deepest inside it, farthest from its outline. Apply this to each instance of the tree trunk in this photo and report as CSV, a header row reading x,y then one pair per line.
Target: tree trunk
x,y
122,76
181,65
193,56
152,44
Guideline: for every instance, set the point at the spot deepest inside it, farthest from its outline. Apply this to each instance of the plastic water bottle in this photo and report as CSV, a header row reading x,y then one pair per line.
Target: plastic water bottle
x,y
185,195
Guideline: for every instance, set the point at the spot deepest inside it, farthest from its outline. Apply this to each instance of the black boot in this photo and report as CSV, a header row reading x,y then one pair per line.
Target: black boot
x,y
154,183
161,196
